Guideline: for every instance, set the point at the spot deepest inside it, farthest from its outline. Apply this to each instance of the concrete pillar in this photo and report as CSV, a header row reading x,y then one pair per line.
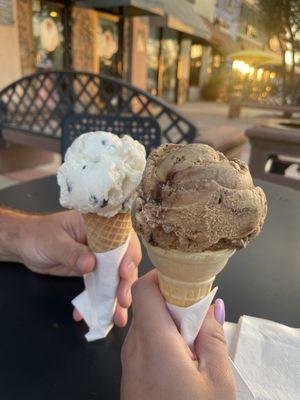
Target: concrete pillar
x,y
84,40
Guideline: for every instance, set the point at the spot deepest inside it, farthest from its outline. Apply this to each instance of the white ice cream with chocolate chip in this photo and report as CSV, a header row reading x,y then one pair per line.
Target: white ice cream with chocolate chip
x,y
100,173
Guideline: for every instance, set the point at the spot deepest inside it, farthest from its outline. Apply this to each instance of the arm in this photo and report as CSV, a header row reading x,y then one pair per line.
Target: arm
x,y
55,244
10,223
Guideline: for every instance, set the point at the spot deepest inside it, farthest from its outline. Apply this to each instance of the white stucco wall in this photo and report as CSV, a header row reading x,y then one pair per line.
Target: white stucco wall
x,y
10,65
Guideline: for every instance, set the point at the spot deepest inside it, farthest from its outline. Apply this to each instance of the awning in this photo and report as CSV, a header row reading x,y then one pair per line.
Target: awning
x,y
181,16
178,15
128,8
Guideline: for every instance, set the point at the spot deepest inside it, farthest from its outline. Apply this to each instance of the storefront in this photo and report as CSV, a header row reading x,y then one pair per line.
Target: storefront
x,y
164,57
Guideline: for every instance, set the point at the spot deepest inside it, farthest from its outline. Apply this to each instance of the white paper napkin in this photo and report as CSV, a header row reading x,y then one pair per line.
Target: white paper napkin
x,y
98,302
189,321
268,355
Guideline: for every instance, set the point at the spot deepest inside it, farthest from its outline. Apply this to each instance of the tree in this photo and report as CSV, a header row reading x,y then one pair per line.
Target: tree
x,y
281,18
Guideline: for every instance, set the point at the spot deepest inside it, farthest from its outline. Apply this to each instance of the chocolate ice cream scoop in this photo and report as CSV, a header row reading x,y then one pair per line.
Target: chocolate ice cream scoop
x,y
192,198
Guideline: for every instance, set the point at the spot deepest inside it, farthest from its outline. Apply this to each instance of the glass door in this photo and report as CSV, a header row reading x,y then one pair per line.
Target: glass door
x,y
153,50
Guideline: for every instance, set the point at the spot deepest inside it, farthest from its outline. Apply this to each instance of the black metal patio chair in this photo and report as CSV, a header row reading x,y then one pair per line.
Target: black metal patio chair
x,y
48,109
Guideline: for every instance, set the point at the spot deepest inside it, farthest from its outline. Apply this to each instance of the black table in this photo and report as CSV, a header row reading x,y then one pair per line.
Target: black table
x,y
43,353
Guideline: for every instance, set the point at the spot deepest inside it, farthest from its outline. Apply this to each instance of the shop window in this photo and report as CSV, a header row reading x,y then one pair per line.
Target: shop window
x,y
169,56
48,34
108,46
153,45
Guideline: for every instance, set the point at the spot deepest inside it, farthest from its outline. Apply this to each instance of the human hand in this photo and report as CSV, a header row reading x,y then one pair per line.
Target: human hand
x,y
55,244
157,364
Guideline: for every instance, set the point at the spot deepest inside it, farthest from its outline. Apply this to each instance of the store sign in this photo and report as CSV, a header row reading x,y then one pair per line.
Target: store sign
x,y
6,12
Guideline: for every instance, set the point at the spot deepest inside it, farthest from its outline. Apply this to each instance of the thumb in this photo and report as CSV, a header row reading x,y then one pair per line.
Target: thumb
x,y
75,256
211,347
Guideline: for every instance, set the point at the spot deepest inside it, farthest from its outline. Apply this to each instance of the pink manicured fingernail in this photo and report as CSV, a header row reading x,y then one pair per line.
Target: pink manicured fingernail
x,y
220,311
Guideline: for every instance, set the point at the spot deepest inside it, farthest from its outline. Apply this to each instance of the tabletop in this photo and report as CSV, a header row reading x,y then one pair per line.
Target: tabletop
x,y
43,352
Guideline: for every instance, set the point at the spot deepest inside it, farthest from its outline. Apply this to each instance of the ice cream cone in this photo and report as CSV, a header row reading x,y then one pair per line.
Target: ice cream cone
x,y
104,234
184,278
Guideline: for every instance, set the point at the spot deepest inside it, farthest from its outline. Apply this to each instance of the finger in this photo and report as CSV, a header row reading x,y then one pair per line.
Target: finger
x,y
76,315
120,316
74,255
154,322
132,257
124,290
211,347
149,308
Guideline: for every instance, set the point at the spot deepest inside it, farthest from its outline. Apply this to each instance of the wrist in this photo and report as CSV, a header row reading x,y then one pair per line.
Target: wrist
x,y
11,234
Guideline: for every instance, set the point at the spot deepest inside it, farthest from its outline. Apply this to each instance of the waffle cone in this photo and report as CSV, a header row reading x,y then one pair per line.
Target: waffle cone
x,y
104,234
185,278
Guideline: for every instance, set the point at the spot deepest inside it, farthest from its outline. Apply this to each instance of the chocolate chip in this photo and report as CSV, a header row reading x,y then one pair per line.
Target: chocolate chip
x,y
69,185
104,203
170,177
220,200
93,200
103,142
156,193
84,167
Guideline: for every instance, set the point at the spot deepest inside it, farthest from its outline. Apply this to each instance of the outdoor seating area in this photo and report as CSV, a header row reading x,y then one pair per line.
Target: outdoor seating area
x,y
150,199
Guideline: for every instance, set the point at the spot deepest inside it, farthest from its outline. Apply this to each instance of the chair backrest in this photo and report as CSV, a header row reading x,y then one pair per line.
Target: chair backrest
x,y
144,129
38,104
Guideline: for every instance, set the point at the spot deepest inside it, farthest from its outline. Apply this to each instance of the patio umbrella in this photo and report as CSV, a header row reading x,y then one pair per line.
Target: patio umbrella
x,y
254,57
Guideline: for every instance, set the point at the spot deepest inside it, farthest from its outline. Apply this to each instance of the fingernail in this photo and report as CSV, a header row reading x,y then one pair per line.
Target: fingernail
x,y
220,311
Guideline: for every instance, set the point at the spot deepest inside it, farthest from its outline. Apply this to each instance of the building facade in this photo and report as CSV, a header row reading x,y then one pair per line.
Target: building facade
x,y
172,53
166,54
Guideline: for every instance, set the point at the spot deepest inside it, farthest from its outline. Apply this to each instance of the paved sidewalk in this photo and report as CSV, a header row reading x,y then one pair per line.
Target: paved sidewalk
x,y
225,134
208,115
27,174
